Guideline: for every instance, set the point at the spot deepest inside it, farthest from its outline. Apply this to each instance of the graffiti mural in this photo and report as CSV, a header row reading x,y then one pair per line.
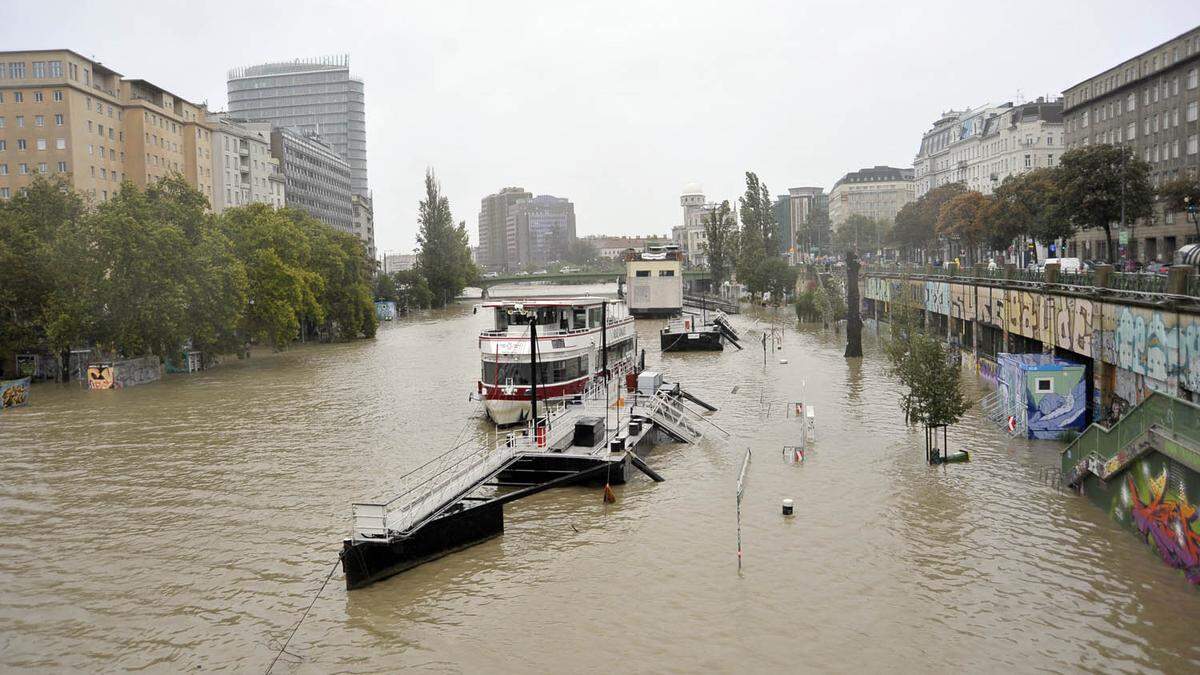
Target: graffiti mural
x,y
100,376
1073,329
1144,342
937,297
1052,392
14,393
1152,499
1188,332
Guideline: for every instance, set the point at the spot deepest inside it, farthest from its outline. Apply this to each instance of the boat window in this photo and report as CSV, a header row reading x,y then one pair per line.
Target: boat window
x,y
580,318
642,273
551,372
594,317
666,273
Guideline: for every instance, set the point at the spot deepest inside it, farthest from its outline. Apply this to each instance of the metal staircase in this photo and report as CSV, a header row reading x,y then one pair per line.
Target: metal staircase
x,y
673,417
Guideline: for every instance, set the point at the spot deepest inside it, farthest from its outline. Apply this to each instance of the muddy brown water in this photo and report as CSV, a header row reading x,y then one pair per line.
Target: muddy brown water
x,y
187,524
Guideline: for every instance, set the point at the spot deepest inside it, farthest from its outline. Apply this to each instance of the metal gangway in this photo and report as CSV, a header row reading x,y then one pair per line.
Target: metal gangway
x,y
431,489
996,407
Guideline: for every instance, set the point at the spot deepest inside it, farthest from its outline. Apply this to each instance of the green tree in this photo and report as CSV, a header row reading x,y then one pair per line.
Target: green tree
x,y
861,232
283,291
961,218
443,251
780,278
757,239
1177,195
916,222
127,270
29,225
346,299
929,371
721,245
412,291
1026,205
1103,184
582,252
810,232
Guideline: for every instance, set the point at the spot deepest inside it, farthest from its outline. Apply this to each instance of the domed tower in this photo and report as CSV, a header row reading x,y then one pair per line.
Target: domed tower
x,y
691,200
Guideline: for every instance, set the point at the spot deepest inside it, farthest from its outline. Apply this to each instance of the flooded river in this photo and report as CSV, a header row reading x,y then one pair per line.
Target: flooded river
x,y
187,525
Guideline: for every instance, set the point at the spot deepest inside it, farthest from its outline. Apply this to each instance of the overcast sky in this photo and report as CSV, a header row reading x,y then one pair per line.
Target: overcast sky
x,y
618,105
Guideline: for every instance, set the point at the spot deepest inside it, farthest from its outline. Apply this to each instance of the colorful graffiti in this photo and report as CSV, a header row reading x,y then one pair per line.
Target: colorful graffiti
x,y
100,376
1153,501
1051,392
14,393
1074,324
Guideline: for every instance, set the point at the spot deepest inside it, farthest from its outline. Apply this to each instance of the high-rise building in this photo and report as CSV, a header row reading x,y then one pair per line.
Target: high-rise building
x,y
313,95
316,178
242,163
539,230
1151,104
801,218
493,227
981,147
879,193
63,113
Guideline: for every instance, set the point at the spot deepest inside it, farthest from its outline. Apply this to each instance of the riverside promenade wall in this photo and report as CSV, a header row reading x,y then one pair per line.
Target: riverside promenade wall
x,y
1135,333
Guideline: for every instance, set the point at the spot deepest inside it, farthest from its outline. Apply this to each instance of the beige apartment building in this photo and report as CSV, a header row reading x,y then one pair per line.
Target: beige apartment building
x,y
62,113
879,193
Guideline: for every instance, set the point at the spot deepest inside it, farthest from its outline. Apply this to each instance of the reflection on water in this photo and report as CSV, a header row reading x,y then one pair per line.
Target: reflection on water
x,y
187,524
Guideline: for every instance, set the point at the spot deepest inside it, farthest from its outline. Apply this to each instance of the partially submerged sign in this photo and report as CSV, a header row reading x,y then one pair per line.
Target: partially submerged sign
x,y
14,393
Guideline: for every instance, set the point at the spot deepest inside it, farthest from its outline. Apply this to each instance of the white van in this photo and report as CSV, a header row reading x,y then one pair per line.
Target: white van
x,y
1065,265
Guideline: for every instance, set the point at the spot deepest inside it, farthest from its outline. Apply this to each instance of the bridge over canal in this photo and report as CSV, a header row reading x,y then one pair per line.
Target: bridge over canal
x,y
616,277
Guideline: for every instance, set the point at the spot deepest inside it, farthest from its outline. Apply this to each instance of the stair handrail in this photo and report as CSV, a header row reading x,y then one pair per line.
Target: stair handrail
x,y
1157,409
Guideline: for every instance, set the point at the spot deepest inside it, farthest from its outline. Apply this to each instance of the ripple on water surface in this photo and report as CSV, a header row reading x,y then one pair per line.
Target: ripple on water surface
x,y
188,523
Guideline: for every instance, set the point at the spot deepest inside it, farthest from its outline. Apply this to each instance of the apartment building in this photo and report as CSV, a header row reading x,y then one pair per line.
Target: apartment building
x,y
364,221
981,147
61,112
316,178
1150,103
242,163
879,193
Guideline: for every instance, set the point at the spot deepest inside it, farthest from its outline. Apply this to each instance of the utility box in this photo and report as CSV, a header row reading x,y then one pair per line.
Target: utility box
x,y
648,382
589,432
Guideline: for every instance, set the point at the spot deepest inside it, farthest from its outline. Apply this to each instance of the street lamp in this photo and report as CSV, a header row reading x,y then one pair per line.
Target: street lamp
x,y
1192,208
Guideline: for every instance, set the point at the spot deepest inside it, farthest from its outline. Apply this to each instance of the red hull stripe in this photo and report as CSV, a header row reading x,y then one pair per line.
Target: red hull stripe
x,y
569,388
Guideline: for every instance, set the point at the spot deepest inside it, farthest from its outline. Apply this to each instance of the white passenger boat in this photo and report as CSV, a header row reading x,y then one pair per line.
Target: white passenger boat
x,y
569,340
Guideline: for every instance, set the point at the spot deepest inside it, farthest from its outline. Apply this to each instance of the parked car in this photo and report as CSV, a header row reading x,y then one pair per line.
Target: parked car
x,y
1065,265
540,272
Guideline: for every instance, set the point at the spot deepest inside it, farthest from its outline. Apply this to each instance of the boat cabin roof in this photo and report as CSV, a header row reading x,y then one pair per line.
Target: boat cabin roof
x,y
549,302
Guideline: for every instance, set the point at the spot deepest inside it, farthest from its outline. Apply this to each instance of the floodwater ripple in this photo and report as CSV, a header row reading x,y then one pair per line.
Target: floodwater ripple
x,y
187,524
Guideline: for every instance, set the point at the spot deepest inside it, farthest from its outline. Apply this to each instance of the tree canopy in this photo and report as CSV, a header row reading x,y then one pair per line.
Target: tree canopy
x,y
1103,184
721,245
443,248
149,270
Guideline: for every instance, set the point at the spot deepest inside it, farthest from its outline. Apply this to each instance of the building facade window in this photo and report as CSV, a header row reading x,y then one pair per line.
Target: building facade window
x,y
58,120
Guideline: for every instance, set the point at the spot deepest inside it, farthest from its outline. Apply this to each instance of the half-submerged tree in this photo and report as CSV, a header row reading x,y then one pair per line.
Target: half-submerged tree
x,y
929,370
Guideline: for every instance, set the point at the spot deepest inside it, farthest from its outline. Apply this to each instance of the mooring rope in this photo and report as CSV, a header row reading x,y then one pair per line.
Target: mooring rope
x,y
304,616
